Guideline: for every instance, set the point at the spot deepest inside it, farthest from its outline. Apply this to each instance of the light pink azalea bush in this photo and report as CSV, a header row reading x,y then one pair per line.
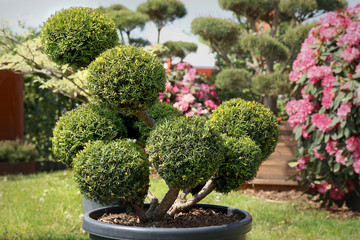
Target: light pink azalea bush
x,y
189,91
326,118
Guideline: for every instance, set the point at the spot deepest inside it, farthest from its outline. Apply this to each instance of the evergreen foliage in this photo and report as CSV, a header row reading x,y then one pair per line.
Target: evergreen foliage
x,y
238,118
180,49
185,151
233,78
127,79
123,175
88,122
242,161
63,42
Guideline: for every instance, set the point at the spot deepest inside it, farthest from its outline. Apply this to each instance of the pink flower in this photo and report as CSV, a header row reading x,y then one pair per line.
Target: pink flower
x,y
315,73
341,159
182,65
328,33
321,121
328,80
168,86
350,54
185,90
336,193
175,89
353,143
190,113
357,69
301,163
356,155
322,188
188,98
167,100
307,97
161,95
298,111
295,75
210,104
319,156
213,93
331,146
305,134
356,166
328,96
343,110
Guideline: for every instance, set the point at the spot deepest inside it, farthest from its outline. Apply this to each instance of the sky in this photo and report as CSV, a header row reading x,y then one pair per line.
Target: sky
x,y
34,12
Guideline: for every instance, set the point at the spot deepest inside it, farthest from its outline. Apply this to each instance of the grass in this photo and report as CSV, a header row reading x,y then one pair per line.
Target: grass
x,y
48,206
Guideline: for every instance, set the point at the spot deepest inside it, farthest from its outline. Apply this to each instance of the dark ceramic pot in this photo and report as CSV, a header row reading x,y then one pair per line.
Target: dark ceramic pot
x,y
102,231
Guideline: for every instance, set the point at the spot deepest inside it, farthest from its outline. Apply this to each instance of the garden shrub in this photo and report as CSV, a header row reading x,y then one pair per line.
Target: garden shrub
x,y
185,151
123,175
15,151
65,44
238,118
88,122
189,91
242,161
127,79
326,118
159,112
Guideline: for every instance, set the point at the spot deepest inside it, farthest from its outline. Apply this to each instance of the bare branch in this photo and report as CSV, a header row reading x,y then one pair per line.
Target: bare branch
x,y
206,190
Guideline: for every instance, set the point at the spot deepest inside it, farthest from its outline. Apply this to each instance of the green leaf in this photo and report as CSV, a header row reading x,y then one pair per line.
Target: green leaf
x,y
337,167
347,132
337,70
293,164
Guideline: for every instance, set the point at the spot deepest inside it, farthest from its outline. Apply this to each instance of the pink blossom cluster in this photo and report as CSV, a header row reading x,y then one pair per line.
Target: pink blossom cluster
x,y
189,92
320,112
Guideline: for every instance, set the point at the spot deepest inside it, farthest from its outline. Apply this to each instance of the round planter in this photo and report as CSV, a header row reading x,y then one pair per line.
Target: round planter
x,y
89,205
102,231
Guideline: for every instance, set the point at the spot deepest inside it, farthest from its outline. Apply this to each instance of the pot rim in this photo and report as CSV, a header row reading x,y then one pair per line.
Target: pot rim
x,y
97,228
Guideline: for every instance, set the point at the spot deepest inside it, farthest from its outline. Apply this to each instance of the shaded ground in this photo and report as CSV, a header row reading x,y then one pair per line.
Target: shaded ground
x,y
293,195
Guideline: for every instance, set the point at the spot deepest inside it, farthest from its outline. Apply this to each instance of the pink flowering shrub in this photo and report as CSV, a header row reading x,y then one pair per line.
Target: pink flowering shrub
x,y
189,91
326,116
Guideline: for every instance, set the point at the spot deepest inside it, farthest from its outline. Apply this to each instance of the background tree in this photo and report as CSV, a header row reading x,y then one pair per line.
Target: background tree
x,y
180,49
162,12
126,21
267,39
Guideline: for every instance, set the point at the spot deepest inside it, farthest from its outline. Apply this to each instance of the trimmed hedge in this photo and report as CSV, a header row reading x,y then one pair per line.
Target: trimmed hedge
x,y
77,35
123,174
127,78
15,151
238,118
87,122
185,151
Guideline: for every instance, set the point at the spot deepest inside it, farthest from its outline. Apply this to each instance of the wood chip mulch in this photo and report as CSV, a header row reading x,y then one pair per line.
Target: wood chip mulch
x,y
196,217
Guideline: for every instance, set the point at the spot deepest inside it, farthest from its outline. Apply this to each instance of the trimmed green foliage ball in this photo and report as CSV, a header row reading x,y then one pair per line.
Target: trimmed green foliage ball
x,y
87,122
233,78
185,151
158,112
238,118
123,174
77,35
242,161
127,78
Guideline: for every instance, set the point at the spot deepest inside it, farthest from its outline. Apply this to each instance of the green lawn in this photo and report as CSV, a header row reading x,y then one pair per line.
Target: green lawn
x,y
48,206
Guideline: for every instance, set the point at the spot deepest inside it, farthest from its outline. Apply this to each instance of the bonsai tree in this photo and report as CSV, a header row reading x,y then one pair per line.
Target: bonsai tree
x,y
218,154
180,49
162,12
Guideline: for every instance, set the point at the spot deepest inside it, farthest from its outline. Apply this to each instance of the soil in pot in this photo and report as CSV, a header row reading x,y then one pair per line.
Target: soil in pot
x,y
195,217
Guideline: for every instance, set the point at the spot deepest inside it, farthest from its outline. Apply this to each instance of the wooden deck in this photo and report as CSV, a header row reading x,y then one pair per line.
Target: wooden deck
x,y
275,171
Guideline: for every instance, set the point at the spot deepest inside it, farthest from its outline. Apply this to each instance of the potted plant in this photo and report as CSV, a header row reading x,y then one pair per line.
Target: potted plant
x,y
193,155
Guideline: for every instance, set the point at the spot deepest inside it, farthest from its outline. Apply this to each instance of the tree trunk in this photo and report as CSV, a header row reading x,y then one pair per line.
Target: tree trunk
x,y
271,103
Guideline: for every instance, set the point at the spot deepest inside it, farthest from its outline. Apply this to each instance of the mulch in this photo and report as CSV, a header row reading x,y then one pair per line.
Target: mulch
x,y
294,195
196,217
